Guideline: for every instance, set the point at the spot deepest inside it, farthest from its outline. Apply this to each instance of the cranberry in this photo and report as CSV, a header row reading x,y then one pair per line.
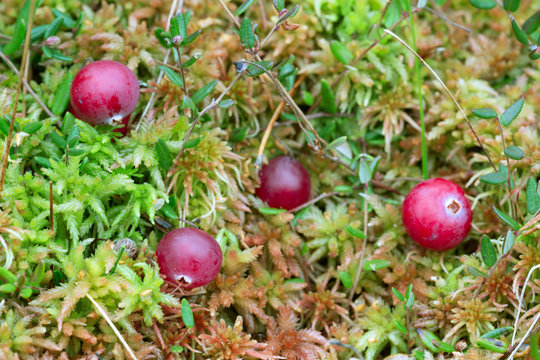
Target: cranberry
x,y
437,215
189,257
104,92
285,183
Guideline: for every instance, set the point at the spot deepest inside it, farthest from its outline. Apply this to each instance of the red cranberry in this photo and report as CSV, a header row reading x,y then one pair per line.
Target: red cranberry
x,y
437,215
104,92
189,257
285,183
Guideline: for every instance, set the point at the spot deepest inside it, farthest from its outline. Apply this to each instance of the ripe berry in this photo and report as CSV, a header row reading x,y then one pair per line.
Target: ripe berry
x,y
104,92
437,215
189,256
285,183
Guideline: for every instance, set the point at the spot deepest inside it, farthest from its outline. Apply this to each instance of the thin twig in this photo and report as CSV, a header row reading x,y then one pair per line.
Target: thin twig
x,y
447,91
314,200
160,339
111,324
27,85
26,51
509,179
363,250
446,19
213,104
275,116
152,99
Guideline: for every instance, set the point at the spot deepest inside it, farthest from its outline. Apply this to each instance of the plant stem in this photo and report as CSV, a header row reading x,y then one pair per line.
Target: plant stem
x,y
25,57
363,250
51,204
213,104
420,99
275,116
27,85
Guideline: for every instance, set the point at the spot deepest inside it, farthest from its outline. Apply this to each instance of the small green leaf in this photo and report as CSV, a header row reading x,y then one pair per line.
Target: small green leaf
x,y
172,75
247,38
343,189
73,137
238,134
497,332
308,98
508,241
25,292
75,152
164,38
254,70
294,281
485,113
446,347
67,123
520,35
328,103
497,178
45,162
512,112
191,143
68,22
533,199
187,103
187,314
169,211
53,28
38,32
511,5
58,140
242,8
55,54
278,4
345,279
400,326
223,104
355,232
494,345
164,156
375,264
271,211
514,152
176,349
419,355
488,251
364,172
191,38
507,219
7,276
4,126
32,127
428,338
532,24
475,272
289,14
204,92
398,294
7,288
483,4
341,52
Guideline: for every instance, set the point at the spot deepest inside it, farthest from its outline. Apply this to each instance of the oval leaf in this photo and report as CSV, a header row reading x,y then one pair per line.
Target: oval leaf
x,y
514,152
512,112
341,52
375,264
172,75
483,4
488,251
187,314
485,113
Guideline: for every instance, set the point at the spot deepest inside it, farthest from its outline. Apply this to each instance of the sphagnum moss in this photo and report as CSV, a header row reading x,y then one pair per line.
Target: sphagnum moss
x,y
286,285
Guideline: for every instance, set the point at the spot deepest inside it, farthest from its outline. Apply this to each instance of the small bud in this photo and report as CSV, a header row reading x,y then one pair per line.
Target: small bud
x,y
282,12
177,40
240,66
52,41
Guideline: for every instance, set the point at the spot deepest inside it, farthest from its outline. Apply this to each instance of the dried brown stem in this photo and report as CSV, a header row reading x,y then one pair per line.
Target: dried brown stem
x,y
275,116
27,85
26,51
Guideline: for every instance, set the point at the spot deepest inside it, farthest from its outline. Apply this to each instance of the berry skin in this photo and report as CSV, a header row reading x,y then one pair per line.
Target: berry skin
x,y
437,215
285,183
189,256
104,92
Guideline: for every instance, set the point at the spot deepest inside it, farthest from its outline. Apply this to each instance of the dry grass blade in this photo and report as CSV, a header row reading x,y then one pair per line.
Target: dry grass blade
x,y
447,91
24,60
111,324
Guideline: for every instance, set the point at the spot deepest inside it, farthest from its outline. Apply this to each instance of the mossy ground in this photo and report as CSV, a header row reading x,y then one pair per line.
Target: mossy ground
x,y
311,284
